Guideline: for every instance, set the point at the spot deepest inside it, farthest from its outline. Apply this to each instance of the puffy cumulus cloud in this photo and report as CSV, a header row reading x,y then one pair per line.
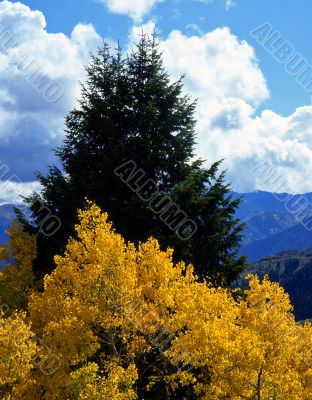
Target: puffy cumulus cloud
x,y
85,39
11,192
136,9
217,64
135,33
266,151
39,84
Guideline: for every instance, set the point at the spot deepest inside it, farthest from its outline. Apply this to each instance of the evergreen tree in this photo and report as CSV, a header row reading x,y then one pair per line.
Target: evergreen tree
x,y
214,247
130,111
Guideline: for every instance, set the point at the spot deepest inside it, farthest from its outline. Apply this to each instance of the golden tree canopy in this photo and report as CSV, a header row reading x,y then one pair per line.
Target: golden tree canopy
x,y
126,320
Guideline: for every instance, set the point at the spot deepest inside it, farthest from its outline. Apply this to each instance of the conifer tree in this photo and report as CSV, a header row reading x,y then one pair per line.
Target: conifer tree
x,y
130,111
214,247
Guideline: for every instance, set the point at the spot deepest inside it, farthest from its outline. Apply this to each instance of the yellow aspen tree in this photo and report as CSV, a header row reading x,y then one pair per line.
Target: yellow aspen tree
x,y
86,384
17,278
105,300
118,316
80,313
253,349
17,350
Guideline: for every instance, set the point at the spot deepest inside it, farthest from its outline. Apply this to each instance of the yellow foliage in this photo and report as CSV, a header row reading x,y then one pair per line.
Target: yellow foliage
x,y
80,310
16,279
108,307
17,351
86,384
248,350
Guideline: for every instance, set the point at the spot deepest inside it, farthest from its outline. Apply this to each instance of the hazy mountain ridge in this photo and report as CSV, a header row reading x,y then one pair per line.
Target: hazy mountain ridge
x,y
271,227
293,270
263,225
282,245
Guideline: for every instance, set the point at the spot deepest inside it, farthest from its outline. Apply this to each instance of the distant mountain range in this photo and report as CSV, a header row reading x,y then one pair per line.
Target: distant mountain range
x,y
293,270
272,225
278,244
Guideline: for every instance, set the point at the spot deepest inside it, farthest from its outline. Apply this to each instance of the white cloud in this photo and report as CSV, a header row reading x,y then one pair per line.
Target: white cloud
x,y
136,9
136,31
222,72
11,192
30,126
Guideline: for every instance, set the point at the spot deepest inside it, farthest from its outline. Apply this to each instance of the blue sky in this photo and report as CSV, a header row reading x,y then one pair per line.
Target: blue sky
x,y
251,111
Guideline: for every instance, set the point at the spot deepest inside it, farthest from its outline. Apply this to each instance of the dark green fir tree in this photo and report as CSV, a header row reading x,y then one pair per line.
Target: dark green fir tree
x,y
131,112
